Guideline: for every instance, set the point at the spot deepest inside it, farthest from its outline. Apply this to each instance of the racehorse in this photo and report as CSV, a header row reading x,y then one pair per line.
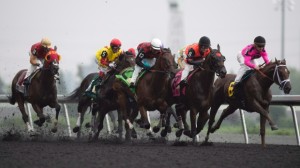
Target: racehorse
x,y
257,95
198,92
42,91
153,87
123,61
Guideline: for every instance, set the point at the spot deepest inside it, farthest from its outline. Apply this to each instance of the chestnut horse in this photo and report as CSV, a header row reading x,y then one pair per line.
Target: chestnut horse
x,y
153,87
256,93
42,91
199,91
103,103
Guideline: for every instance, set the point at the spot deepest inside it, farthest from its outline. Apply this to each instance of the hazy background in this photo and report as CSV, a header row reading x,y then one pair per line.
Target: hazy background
x,y
79,28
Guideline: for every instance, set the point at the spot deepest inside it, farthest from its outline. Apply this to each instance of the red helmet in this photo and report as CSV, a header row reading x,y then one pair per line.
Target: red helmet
x,y
115,43
132,51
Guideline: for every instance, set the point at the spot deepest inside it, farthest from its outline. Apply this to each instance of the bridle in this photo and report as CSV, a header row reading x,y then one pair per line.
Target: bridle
x,y
276,75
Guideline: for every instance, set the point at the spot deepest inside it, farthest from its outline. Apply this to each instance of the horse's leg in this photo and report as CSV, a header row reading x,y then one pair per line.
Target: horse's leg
x,y
40,114
132,116
160,123
213,111
265,113
100,121
94,122
202,119
262,130
167,129
113,120
82,107
144,118
57,110
24,114
226,112
192,132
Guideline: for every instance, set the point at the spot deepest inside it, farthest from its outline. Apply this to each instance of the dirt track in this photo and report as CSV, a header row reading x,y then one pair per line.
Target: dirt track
x,y
69,153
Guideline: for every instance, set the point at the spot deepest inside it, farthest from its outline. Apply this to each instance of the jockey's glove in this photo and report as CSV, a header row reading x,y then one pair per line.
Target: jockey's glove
x,y
112,65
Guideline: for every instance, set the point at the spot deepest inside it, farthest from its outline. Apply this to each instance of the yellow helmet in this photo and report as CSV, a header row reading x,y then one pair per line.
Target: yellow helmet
x,y
46,42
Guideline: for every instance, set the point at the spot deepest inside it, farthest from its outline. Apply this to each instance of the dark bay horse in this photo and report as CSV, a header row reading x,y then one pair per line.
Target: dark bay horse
x,y
42,91
199,91
84,101
153,87
257,95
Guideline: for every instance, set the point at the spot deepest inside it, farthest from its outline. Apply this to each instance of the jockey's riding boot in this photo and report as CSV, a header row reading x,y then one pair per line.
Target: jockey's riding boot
x,y
236,87
26,81
131,84
25,90
183,83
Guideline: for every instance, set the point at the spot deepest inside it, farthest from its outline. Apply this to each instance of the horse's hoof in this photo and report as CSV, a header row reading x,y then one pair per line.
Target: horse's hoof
x,y
54,130
188,133
76,129
156,129
87,125
176,125
38,123
274,127
163,133
178,133
133,134
212,130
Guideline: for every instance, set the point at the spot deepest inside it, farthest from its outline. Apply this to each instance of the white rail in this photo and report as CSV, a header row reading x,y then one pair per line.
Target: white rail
x,y
283,100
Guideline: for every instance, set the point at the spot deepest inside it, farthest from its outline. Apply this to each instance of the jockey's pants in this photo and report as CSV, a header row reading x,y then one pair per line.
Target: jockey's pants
x,y
137,69
186,70
243,67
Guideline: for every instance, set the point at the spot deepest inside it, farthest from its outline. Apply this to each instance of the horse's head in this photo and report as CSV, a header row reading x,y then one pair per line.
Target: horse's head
x,y
125,60
280,74
165,62
51,63
215,61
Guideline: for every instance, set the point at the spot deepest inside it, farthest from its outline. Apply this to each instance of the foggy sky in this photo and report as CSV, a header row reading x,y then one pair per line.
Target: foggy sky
x,y
79,28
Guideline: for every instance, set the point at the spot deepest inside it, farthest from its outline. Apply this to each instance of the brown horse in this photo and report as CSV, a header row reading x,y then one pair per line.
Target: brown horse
x,y
199,91
153,87
42,91
123,61
257,95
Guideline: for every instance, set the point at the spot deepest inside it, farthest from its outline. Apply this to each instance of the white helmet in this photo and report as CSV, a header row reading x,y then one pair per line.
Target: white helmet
x,y
156,44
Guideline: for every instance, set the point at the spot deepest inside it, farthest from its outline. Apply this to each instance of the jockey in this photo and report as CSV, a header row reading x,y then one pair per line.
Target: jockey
x,y
180,60
195,55
105,58
146,57
247,57
37,57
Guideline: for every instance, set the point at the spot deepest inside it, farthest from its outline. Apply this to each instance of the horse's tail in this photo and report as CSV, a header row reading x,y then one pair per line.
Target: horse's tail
x,y
75,94
12,99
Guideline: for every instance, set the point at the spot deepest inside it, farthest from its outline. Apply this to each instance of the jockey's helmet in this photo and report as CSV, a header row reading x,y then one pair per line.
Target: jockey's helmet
x,y
259,40
45,42
156,44
115,43
132,51
204,41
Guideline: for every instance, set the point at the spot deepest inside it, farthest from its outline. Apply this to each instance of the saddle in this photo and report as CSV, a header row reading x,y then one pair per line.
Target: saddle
x,y
235,89
19,85
177,88
126,74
